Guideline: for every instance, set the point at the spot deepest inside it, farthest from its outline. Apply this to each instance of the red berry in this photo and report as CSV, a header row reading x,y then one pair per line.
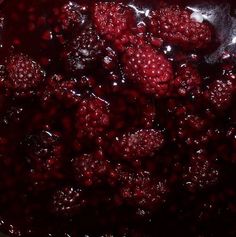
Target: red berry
x,y
83,51
176,26
186,80
141,144
67,201
148,68
201,172
220,93
141,190
92,118
91,169
23,74
112,19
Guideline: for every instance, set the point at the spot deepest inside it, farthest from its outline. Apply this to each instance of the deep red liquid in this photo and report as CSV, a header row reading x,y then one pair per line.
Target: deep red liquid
x,y
25,207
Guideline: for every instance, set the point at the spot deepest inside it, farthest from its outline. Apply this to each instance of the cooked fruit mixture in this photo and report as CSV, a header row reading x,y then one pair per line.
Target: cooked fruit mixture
x,y
117,119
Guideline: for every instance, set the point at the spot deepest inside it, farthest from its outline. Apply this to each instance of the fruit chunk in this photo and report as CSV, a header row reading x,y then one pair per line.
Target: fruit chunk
x,y
23,74
143,143
82,51
176,26
149,69
112,19
92,118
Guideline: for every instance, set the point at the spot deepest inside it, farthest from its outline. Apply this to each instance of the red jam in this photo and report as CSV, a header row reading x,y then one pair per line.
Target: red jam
x,y
117,118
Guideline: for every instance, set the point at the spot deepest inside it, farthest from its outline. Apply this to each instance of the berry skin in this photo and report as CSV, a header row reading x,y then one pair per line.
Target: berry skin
x,y
149,69
220,93
176,26
141,190
186,80
67,201
112,19
82,51
200,173
143,143
92,118
90,169
23,74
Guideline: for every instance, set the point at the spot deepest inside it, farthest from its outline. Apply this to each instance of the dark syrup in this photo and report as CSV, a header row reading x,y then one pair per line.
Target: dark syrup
x,y
24,209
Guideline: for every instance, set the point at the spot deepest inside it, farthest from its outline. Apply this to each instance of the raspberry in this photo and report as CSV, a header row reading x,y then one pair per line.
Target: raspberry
x,y
112,19
82,51
92,118
67,201
141,190
186,80
151,70
220,93
71,14
143,143
90,169
23,74
176,26
200,173
44,151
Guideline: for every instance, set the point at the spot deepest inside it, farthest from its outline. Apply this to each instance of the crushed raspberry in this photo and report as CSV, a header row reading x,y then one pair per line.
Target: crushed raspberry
x,y
148,68
186,80
91,169
82,51
23,74
67,201
112,19
201,172
175,25
141,144
92,118
220,93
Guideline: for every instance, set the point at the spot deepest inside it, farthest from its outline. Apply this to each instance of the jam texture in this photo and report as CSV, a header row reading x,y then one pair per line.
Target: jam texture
x,y
117,118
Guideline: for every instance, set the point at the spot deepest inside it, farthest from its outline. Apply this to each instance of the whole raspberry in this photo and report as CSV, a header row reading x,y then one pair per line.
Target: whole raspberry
x,y
112,19
23,74
141,144
82,51
44,152
90,169
149,69
200,173
71,14
92,117
186,80
67,201
141,190
220,93
177,26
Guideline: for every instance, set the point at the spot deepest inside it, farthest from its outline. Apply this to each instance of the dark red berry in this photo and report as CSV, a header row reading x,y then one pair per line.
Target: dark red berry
x,y
92,117
201,172
141,144
83,51
220,93
91,169
177,25
23,74
148,68
186,80
67,201
112,19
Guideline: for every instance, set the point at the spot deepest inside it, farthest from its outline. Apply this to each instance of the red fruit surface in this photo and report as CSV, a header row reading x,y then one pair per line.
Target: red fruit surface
x,y
23,74
141,144
92,118
148,68
112,19
175,25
